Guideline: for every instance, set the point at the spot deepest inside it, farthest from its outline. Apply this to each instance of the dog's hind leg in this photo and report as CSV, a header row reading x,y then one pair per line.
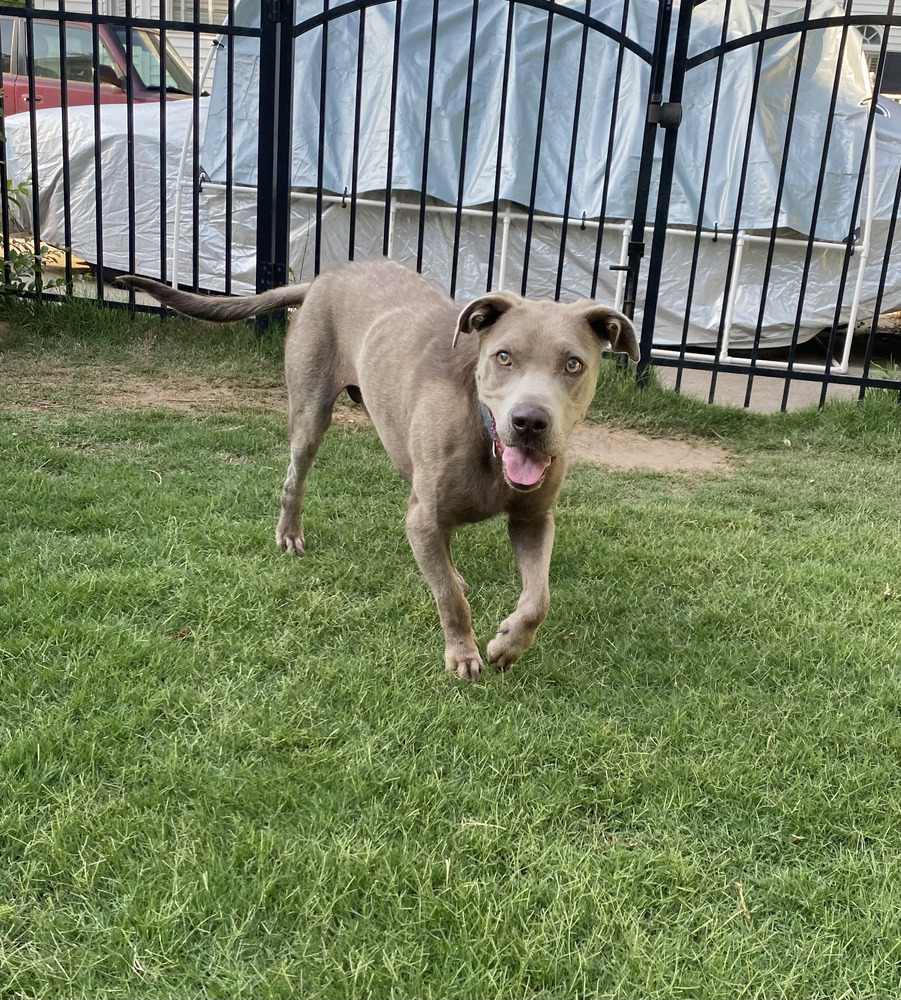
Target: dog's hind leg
x,y
309,423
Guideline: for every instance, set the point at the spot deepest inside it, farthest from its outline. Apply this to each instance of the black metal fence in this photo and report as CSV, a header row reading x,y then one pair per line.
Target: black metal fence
x,y
727,172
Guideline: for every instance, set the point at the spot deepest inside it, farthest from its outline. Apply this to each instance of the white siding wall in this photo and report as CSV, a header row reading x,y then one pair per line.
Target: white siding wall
x,y
183,43
862,7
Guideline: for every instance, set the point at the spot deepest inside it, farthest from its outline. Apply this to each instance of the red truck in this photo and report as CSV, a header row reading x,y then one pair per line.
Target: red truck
x,y
73,64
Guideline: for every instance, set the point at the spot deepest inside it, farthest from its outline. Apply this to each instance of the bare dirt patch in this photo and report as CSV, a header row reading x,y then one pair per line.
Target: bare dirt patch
x,y
58,387
197,396
618,449
140,394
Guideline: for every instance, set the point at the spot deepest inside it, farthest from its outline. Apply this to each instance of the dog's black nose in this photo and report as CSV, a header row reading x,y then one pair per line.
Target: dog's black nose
x,y
529,420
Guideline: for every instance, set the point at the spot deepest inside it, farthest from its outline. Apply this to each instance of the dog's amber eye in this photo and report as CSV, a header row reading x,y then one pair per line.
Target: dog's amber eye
x,y
503,358
574,366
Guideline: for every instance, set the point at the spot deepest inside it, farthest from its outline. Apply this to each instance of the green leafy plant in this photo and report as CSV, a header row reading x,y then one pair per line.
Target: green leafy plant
x,y
23,265
889,370
24,261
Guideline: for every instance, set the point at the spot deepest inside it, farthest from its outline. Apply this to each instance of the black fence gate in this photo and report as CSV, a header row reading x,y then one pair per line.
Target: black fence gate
x,y
807,266
726,171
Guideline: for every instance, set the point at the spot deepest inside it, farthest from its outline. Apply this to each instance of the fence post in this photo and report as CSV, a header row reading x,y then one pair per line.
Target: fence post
x,y
646,163
275,135
669,117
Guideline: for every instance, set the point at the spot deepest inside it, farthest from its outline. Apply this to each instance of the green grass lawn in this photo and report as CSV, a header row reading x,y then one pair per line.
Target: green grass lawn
x,y
225,772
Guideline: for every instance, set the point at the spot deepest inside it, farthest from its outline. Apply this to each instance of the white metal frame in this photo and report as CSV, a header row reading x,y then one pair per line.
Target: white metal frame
x,y
861,250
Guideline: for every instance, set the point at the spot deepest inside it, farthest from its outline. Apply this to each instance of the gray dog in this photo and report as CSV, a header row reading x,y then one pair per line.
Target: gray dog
x,y
477,425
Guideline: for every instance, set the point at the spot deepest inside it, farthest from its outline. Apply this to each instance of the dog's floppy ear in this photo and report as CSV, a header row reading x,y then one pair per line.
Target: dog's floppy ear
x,y
483,312
611,325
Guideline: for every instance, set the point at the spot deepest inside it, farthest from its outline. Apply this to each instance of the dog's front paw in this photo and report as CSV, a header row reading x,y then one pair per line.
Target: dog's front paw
x,y
290,541
463,663
511,641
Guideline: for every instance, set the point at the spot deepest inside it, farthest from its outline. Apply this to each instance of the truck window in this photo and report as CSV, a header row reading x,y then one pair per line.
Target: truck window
x,y
6,41
79,53
146,61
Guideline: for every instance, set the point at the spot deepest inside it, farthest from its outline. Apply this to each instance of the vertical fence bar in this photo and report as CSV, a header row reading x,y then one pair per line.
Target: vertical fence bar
x,y
98,170
777,207
388,227
64,121
195,153
35,175
883,276
4,182
464,142
163,189
702,199
661,215
611,145
539,128
645,170
858,193
358,110
427,136
229,145
320,162
274,150
808,255
571,166
499,163
742,184
130,132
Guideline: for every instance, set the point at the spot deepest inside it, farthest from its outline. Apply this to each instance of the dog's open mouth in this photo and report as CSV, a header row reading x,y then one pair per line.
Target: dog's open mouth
x,y
524,468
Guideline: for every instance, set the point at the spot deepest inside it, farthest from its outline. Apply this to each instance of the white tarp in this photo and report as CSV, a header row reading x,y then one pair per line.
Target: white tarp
x,y
208,233
119,215
592,166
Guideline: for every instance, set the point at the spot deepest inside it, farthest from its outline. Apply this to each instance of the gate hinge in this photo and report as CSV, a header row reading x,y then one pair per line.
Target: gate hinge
x,y
667,114
274,275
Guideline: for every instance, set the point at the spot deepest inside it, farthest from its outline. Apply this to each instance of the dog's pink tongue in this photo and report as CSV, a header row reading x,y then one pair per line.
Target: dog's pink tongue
x,y
525,466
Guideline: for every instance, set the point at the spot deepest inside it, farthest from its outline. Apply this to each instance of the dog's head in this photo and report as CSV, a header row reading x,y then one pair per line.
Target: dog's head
x,y
537,372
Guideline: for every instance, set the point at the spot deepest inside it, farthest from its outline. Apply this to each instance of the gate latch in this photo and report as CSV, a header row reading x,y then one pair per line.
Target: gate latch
x,y
668,114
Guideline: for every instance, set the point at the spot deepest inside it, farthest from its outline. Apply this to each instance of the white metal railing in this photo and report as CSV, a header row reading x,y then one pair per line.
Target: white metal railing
x,y
861,250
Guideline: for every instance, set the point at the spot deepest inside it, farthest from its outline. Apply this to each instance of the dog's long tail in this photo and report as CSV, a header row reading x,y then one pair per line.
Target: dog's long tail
x,y
219,308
